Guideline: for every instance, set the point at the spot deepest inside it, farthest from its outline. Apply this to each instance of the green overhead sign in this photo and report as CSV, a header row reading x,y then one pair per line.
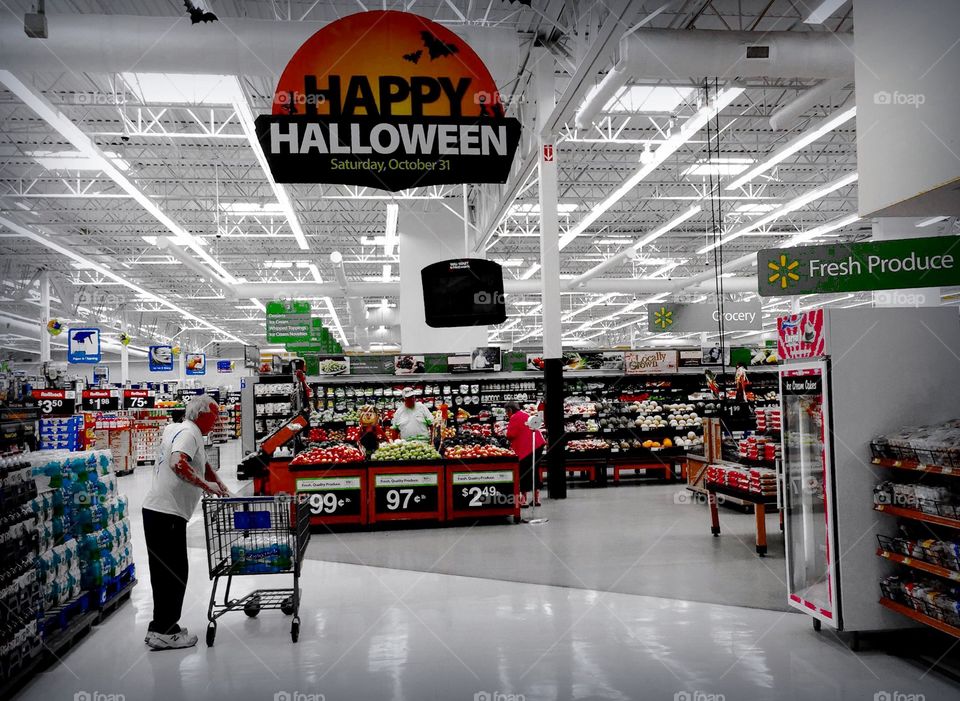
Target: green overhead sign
x,y
288,321
320,340
856,267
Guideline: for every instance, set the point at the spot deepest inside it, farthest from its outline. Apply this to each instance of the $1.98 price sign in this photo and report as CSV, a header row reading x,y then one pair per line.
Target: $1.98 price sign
x,y
406,493
99,400
139,399
474,491
331,496
55,402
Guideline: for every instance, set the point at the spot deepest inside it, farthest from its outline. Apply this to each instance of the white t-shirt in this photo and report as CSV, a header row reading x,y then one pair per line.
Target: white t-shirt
x,y
413,422
169,494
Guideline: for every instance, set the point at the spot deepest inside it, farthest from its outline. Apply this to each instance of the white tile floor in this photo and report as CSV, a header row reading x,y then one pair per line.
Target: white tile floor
x,y
373,633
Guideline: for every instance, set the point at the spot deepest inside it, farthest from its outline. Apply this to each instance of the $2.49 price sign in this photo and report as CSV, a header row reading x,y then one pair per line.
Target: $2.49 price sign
x,y
475,490
331,496
55,402
99,400
406,493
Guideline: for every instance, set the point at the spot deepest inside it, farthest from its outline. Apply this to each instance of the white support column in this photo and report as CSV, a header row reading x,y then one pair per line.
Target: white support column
x,y
182,361
44,316
549,227
124,353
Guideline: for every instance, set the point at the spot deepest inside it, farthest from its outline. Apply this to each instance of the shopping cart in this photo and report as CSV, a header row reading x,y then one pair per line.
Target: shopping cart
x,y
255,536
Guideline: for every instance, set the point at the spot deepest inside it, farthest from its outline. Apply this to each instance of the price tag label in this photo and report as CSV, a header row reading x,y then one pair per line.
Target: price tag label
x,y
139,399
99,400
406,493
331,496
476,491
55,402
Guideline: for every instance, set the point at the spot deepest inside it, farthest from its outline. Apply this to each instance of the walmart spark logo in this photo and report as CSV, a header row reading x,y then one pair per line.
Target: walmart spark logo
x,y
663,318
783,271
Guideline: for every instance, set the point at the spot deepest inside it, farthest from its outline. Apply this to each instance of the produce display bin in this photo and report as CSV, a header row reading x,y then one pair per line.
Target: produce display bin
x,y
398,491
482,487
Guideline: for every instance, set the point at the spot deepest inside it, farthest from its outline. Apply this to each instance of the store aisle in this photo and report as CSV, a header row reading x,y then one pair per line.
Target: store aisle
x,y
374,633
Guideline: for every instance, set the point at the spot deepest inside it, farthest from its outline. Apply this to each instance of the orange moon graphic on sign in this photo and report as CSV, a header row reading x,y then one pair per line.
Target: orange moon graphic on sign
x,y
387,43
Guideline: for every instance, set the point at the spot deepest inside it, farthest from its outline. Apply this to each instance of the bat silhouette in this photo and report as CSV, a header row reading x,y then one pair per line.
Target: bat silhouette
x,y
436,47
83,336
197,14
414,57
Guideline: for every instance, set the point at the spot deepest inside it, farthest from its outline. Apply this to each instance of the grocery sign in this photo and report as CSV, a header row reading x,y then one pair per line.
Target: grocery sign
x,y
388,100
686,318
856,267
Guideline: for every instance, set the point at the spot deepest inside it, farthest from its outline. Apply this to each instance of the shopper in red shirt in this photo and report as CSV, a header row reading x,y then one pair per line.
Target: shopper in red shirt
x,y
527,445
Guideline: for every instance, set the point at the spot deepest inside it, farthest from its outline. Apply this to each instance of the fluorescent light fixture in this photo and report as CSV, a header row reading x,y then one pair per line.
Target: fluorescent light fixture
x,y
526,303
647,98
793,205
719,166
314,272
821,13
251,208
390,239
75,160
258,304
754,208
930,222
533,208
180,88
106,272
689,128
387,272
665,269
530,272
797,143
278,264
245,117
821,230
509,262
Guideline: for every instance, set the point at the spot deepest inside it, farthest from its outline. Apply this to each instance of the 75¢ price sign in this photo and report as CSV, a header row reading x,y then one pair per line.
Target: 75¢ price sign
x,y
55,402
139,399
332,496
476,491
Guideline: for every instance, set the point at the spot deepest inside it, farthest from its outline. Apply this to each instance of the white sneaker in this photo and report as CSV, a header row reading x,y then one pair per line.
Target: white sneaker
x,y
150,634
172,642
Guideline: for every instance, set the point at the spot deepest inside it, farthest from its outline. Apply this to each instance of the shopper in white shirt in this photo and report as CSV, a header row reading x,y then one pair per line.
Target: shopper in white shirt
x,y
412,418
173,497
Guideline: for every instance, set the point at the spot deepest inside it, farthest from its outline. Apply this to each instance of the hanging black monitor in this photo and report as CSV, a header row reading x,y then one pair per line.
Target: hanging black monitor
x,y
463,292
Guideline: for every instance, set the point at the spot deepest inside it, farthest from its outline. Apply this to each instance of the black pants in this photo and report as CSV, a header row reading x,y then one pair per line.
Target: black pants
x,y
526,471
167,549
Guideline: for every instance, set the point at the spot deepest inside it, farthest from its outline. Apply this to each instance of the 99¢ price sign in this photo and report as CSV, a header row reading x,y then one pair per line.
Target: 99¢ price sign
x,y
331,496
406,493
55,402
475,491
99,400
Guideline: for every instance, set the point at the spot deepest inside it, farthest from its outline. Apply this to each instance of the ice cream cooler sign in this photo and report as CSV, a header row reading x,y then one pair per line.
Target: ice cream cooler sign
x,y
388,100
801,336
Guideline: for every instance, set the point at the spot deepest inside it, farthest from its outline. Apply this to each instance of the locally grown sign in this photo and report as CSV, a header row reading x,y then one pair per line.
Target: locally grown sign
x,y
650,362
855,267
686,318
388,100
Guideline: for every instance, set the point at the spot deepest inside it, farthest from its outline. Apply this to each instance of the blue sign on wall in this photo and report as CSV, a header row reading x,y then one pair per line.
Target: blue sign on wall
x,y
83,346
224,366
196,363
161,358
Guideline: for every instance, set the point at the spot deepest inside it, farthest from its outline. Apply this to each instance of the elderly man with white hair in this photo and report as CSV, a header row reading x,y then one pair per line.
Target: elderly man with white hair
x,y
181,476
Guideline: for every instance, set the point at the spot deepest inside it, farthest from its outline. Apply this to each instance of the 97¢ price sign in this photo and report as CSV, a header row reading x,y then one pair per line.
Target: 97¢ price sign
x,y
482,490
406,493
55,402
331,496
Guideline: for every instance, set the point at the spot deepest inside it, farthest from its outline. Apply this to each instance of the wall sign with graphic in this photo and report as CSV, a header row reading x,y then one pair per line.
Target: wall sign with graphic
x,y
83,346
801,336
388,100
855,267
160,358
667,317
650,362
196,363
224,367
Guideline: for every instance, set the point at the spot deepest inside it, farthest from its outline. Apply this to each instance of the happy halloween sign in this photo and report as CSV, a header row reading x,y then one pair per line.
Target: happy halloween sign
x,y
388,100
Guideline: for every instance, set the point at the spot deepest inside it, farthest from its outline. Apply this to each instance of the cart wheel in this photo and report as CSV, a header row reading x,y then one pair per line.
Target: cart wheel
x,y
287,606
211,634
295,630
816,624
252,607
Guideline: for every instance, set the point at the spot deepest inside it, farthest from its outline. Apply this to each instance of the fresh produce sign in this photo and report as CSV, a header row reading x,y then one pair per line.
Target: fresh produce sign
x,y
477,491
387,100
406,493
55,402
332,496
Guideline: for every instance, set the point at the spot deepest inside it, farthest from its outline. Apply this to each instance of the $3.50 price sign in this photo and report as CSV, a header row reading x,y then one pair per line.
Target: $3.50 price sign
x,y
139,399
55,402
416,493
99,400
332,496
477,491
